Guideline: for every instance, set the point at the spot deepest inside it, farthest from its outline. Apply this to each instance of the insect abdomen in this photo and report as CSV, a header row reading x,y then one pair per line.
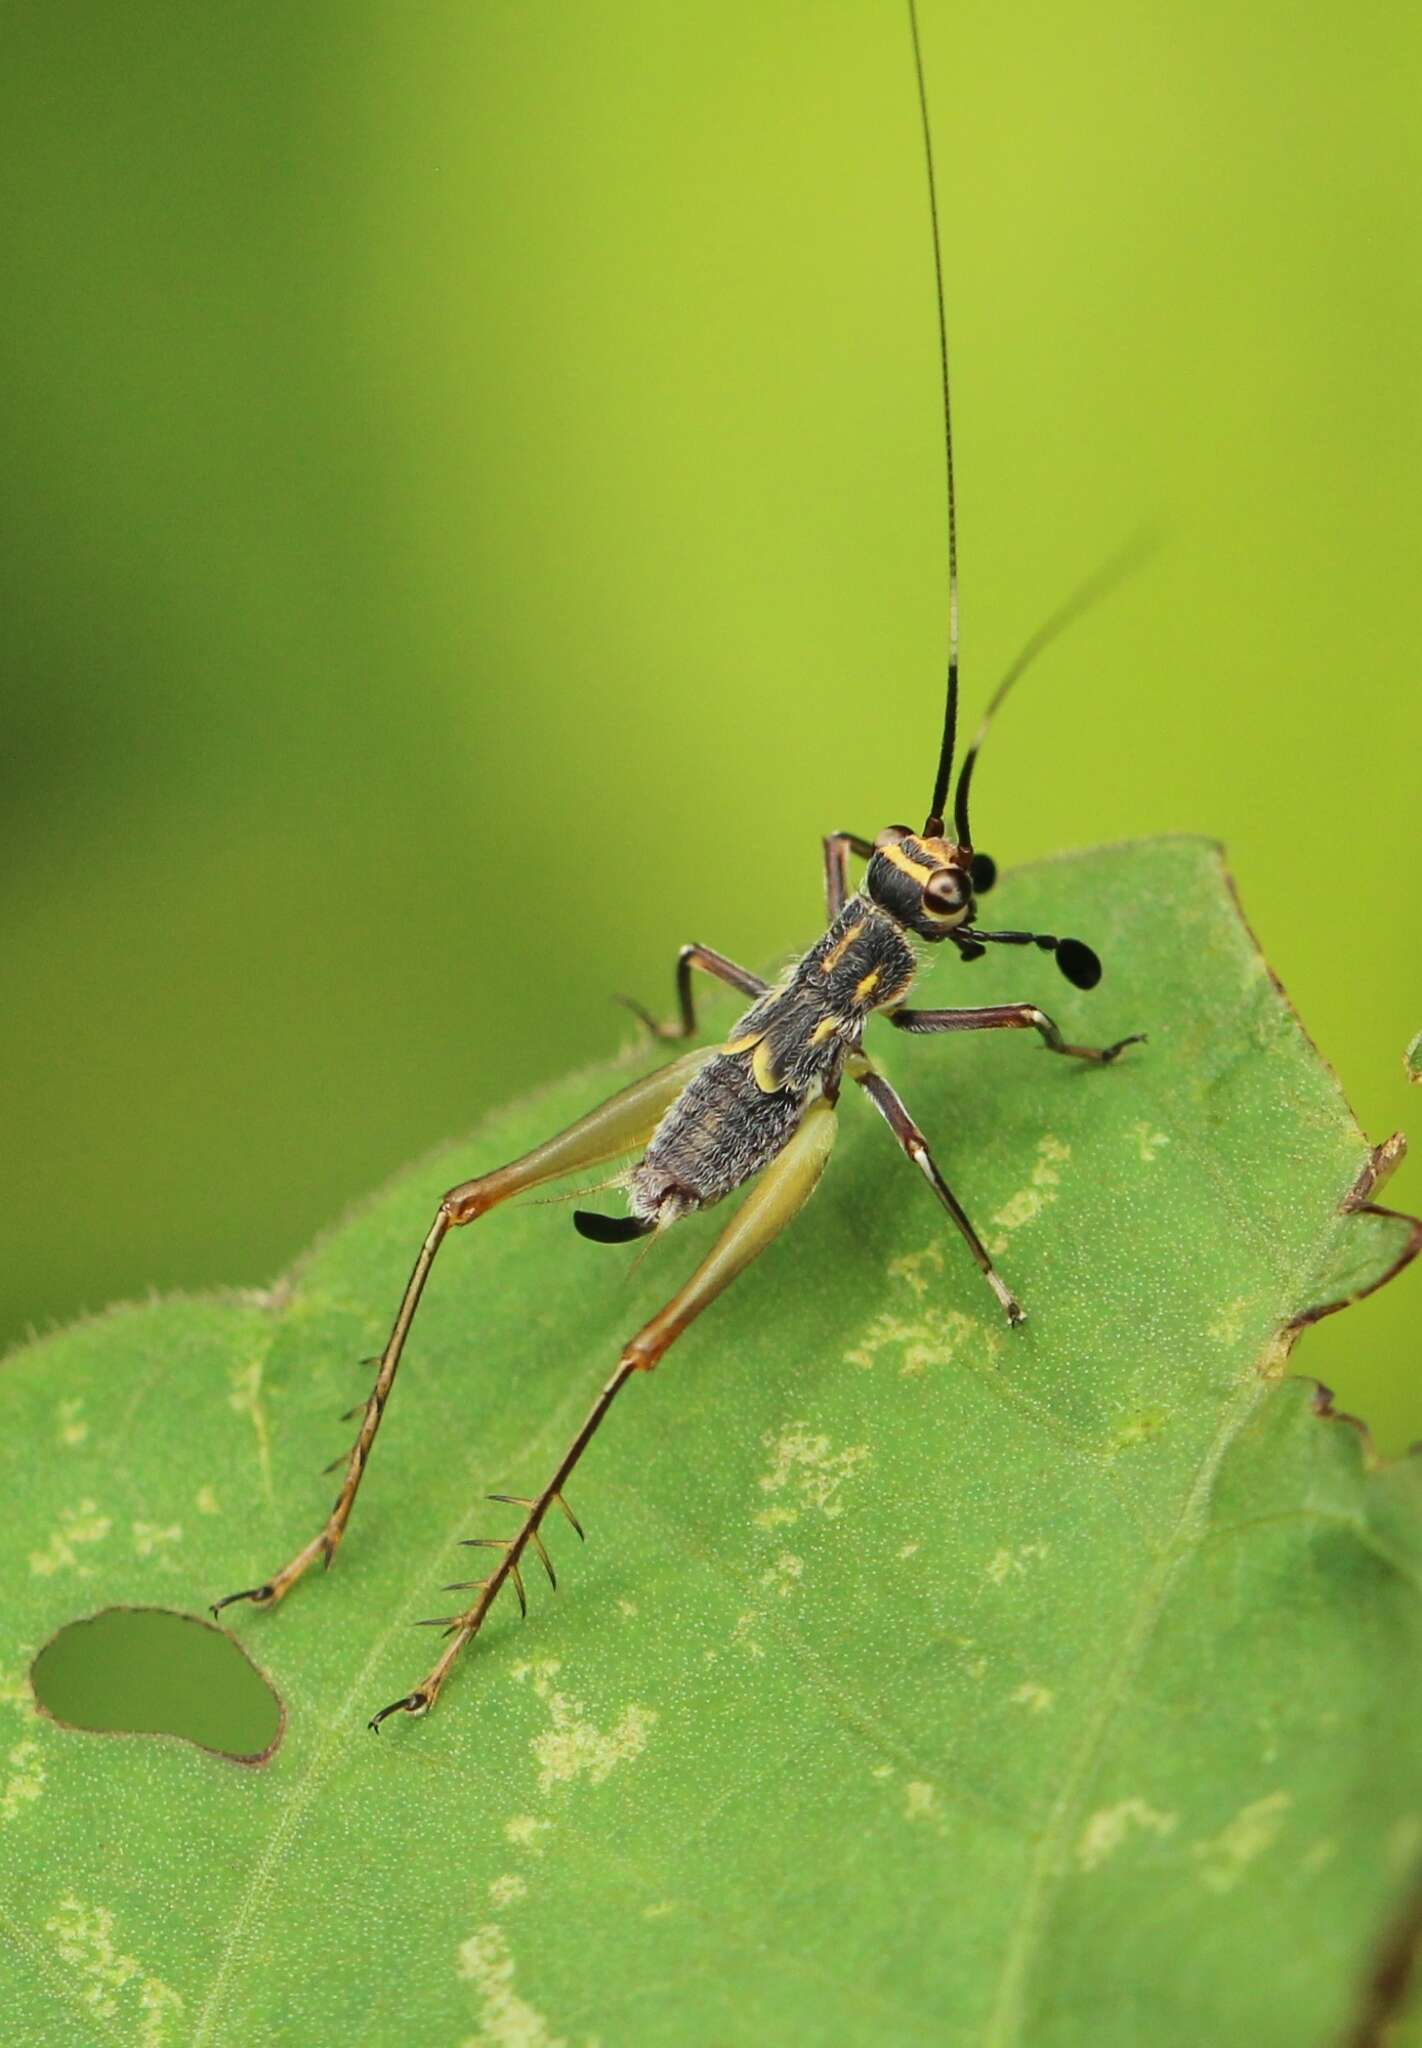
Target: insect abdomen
x,y
719,1131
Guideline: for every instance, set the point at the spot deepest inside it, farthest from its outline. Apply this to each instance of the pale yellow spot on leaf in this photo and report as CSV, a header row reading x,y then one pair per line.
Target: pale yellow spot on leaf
x,y
573,1746
741,1636
1108,1827
540,1669
882,1771
803,1464
920,1800
77,1526
1136,1429
1040,1192
70,1427
505,2019
910,1550
524,1829
1148,1142
784,1575
910,1268
926,1334
149,1538
1008,1564
1226,1856
781,1580
206,1501
774,1518
245,1398
663,1910
1038,1699
508,1890
1228,1325
930,1337
25,1782
113,1986
14,1692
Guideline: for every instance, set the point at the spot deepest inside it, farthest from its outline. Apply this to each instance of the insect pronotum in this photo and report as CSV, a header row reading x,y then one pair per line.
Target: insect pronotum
x,y
759,1108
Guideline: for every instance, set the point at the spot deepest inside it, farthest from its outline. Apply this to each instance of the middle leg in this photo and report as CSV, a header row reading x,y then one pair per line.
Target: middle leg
x,y
893,1110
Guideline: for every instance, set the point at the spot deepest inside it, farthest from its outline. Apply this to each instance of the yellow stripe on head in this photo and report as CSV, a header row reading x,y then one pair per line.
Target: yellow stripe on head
x,y
899,859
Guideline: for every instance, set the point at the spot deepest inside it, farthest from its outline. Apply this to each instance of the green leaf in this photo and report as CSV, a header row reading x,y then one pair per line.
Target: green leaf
x,y
921,1680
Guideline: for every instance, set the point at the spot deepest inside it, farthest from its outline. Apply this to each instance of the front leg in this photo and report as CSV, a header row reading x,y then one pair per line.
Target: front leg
x,y
837,848
710,963
1010,1017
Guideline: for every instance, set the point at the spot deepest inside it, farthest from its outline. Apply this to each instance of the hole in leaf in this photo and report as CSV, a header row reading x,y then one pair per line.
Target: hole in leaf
x,y
148,1671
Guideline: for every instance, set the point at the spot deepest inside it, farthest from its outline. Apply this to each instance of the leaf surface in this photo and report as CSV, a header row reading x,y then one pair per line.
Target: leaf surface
x,y
921,1680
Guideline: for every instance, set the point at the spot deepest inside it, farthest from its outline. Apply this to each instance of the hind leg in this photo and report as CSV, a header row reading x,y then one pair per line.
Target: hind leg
x,y
774,1200
619,1126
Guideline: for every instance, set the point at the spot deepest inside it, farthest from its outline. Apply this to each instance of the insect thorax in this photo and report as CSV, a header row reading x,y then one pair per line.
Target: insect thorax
x,y
742,1107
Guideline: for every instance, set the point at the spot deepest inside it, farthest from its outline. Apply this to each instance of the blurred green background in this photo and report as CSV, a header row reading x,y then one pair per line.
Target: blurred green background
x,y
474,518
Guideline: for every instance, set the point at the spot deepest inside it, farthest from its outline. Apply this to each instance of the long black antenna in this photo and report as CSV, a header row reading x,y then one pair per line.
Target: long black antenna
x,y
1112,572
950,709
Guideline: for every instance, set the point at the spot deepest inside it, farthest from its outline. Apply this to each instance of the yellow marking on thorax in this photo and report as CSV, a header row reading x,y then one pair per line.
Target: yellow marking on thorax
x,y
763,1073
840,947
865,988
744,1044
826,1028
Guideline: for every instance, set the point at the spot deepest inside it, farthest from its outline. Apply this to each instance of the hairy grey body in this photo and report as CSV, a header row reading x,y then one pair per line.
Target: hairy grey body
x,y
741,1109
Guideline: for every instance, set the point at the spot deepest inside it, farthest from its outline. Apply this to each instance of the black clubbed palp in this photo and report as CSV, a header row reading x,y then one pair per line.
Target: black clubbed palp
x,y
1078,963
610,1229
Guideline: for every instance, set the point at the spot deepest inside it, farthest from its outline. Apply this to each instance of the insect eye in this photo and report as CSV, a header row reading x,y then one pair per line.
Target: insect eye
x,y
945,891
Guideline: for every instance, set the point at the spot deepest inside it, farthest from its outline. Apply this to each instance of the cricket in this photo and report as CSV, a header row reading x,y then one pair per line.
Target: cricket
x,y
760,1110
